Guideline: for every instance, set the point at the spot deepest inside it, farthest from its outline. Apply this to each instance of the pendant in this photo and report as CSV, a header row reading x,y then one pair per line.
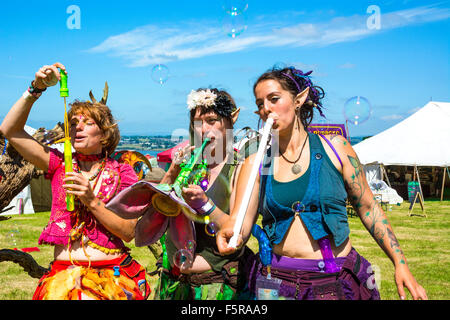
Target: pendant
x,y
296,169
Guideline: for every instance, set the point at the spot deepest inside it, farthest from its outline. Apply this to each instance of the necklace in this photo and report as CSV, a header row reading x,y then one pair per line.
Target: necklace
x,y
296,168
95,175
89,157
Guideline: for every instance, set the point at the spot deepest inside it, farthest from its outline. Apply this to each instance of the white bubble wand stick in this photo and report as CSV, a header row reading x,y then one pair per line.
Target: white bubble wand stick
x,y
251,183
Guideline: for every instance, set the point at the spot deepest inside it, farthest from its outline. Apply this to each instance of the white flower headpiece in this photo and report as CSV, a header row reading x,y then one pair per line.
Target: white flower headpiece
x,y
204,98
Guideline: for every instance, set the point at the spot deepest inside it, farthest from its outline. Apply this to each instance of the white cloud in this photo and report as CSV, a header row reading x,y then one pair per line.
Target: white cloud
x,y
392,117
153,44
347,65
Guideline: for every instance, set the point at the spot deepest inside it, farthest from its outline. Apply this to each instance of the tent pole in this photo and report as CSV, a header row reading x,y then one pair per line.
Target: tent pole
x,y
385,174
418,179
443,184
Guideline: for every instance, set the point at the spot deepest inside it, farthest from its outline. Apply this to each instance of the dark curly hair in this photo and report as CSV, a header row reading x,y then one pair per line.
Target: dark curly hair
x,y
224,106
295,81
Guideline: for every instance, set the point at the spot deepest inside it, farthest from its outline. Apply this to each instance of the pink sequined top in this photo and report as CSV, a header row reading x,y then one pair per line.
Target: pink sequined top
x,y
114,178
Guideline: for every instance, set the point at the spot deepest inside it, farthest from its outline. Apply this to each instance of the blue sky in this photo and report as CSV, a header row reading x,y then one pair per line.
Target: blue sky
x,y
398,67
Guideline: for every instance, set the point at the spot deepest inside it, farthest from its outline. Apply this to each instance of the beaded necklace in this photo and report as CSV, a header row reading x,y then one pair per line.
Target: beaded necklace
x,y
95,175
81,213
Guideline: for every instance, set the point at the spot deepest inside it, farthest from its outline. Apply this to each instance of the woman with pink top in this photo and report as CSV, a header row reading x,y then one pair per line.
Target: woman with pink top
x,y
90,259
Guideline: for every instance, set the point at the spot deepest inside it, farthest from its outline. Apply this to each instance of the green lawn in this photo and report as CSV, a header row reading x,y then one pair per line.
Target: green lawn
x,y
425,242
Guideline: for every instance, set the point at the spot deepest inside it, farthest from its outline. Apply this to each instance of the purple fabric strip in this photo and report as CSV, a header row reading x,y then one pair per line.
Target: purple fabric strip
x,y
327,254
296,84
314,265
331,146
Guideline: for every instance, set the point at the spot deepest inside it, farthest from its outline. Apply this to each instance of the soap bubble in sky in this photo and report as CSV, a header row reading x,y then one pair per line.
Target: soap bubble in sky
x,y
160,73
234,24
357,110
234,6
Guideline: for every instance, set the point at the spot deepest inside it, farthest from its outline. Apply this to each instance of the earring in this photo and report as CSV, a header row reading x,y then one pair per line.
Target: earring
x,y
297,115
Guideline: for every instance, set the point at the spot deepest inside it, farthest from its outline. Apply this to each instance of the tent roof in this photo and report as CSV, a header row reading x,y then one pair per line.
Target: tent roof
x,y
423,139
167,155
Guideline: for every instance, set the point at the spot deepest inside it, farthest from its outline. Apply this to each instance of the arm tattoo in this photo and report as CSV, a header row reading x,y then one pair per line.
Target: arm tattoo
x,y
395,245
356,185
338,138
374,218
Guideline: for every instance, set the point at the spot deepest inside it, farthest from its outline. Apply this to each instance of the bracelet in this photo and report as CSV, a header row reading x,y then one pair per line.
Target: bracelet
x,y
36,92
207,208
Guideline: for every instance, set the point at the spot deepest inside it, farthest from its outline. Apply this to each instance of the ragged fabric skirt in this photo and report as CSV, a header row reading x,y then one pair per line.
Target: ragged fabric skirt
x,y
95,281
228,284
303,279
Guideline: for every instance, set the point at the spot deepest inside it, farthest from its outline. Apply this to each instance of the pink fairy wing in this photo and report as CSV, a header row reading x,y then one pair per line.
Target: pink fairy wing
x,y
150,228
181,231
186,209
134,201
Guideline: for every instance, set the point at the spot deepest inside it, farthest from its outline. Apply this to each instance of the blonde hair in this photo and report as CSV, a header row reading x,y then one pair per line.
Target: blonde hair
x,y
102,116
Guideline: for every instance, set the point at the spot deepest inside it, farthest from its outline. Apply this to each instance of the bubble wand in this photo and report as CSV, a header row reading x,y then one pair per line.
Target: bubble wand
x,y
251,183
64,92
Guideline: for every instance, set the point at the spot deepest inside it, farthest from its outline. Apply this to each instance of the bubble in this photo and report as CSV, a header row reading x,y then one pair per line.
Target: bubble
x,y
183,258
234,6
211,229
234,24
160,73
14,236
357,110
190,245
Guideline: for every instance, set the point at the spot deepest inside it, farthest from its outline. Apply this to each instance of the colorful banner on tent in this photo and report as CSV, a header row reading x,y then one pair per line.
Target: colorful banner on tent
x,y
324,129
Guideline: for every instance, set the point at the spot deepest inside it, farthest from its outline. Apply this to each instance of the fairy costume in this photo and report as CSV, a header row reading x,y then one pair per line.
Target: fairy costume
x,y
318,197
121,278
226,280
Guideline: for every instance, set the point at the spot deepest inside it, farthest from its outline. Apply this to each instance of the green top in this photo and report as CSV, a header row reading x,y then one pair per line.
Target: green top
x,y
219,192
287,193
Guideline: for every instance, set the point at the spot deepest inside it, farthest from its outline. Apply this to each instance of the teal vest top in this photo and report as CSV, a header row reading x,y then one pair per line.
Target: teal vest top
x,y
323,203
286,193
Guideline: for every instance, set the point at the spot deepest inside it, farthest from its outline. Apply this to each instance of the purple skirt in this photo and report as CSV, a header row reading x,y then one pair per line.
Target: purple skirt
x,y
304,279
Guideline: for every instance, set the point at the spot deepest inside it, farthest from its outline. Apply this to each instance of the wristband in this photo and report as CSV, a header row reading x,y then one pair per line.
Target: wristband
x,y
207,208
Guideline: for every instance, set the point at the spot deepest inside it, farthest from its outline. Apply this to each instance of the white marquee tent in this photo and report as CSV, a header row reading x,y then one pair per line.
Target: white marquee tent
x,y
422,139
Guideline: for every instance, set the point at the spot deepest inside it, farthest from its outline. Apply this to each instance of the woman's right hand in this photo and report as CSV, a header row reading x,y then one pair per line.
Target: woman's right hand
x,y
48,75
174,169
223,237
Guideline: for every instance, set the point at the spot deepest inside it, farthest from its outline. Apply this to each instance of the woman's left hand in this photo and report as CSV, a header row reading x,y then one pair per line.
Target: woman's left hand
x,y
77,184
194,196
403,277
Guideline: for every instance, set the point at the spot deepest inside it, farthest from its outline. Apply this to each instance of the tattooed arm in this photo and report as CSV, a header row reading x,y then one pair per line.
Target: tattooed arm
x,y
374,218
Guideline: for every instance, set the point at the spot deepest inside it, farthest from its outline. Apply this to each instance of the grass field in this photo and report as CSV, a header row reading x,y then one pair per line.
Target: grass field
x,y
425,242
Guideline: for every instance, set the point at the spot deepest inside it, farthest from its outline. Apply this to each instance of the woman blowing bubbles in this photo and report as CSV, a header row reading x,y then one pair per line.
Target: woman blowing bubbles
x,y
301,197
90,258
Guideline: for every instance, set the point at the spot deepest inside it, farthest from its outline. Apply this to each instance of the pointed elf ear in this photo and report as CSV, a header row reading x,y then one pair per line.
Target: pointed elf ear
x,y
300,99
234,115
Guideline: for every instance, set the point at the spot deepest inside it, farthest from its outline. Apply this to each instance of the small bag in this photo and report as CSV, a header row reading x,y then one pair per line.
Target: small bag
x,y
136,272
328,291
